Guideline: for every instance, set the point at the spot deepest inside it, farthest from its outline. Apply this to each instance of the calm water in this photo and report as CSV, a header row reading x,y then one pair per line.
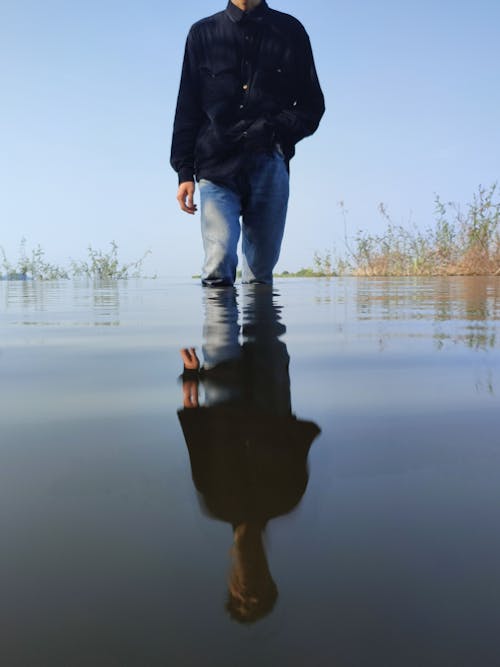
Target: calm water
x,y
324,491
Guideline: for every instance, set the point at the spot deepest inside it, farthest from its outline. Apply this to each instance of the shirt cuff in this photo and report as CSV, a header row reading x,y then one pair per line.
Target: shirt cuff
x,y
190,374
185,174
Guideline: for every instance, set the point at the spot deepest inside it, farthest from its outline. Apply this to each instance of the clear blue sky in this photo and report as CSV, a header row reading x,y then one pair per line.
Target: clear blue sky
x,y
88,91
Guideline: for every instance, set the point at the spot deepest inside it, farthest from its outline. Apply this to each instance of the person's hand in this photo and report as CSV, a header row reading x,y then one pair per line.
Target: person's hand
x,y
260,133
190,385
185,197
189,359
190,393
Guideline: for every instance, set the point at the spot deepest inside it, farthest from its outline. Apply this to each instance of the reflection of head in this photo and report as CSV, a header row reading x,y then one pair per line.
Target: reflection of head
x,y
252,591
247,605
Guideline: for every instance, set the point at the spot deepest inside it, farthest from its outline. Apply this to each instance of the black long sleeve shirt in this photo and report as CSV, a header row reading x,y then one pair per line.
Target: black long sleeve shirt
x,y
248,83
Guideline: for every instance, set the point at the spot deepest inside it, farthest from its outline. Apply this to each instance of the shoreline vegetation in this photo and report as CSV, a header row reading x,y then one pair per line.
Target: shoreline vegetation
x,y
460,242
99,265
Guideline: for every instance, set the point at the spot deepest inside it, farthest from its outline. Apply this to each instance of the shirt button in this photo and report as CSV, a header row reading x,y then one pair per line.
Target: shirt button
x,y
247,37
245,86
241,106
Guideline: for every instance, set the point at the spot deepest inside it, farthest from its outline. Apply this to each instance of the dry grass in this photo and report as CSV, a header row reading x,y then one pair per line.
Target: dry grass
x,y
461,242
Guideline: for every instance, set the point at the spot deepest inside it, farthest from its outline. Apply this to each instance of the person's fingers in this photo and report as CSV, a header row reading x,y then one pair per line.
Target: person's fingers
x,y
192,354
190,358
190,394
181,198
187,358
194,395
186,393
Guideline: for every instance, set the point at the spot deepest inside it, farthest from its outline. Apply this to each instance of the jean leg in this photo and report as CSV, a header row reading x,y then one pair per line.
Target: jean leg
x,y
220,230
264,217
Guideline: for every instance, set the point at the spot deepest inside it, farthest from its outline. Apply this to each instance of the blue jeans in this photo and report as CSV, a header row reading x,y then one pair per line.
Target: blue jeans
x,y
259,194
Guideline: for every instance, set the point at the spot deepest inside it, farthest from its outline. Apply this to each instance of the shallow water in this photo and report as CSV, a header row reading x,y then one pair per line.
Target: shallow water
x,y
333,471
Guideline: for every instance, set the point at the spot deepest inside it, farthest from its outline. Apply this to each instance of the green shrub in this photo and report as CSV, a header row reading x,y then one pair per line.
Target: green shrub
x,y
99,265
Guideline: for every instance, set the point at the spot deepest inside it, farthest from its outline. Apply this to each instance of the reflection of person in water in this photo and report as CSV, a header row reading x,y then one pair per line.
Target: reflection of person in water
x,y
248,452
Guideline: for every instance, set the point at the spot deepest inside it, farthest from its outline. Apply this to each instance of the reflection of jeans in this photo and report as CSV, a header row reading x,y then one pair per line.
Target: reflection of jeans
x,y
259,194
252,373
221,343
221,330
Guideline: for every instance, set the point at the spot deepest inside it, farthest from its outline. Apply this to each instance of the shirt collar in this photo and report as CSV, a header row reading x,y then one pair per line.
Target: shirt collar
x,y
236,15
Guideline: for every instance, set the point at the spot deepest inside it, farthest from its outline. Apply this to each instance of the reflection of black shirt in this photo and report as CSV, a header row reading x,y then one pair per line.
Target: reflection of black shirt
x,y
247,465
248,82
249,453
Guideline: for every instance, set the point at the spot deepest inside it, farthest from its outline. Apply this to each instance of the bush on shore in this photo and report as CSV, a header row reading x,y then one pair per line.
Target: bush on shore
x,y
98,265
460,242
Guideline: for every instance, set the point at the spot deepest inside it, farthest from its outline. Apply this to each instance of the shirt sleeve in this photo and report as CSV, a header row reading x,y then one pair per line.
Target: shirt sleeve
x,y
302,119
188,115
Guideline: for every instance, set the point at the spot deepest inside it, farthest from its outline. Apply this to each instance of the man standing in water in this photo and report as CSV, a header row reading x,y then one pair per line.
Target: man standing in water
x,y
248,93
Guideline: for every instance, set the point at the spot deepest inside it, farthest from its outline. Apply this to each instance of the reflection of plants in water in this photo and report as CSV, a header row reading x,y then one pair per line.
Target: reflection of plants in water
x,y
481,338
39,296
486,385
98,265
106,299
393,300
472,299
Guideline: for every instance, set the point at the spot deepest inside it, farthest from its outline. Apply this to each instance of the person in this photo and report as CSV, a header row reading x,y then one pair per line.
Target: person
x,y
248,451
248,93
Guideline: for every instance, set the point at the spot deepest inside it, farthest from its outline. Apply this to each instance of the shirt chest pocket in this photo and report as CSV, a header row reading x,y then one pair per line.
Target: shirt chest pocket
x,y
275,81
218,84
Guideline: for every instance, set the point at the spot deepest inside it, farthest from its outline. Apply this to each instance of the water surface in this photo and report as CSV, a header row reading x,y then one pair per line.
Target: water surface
x,y
324,491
